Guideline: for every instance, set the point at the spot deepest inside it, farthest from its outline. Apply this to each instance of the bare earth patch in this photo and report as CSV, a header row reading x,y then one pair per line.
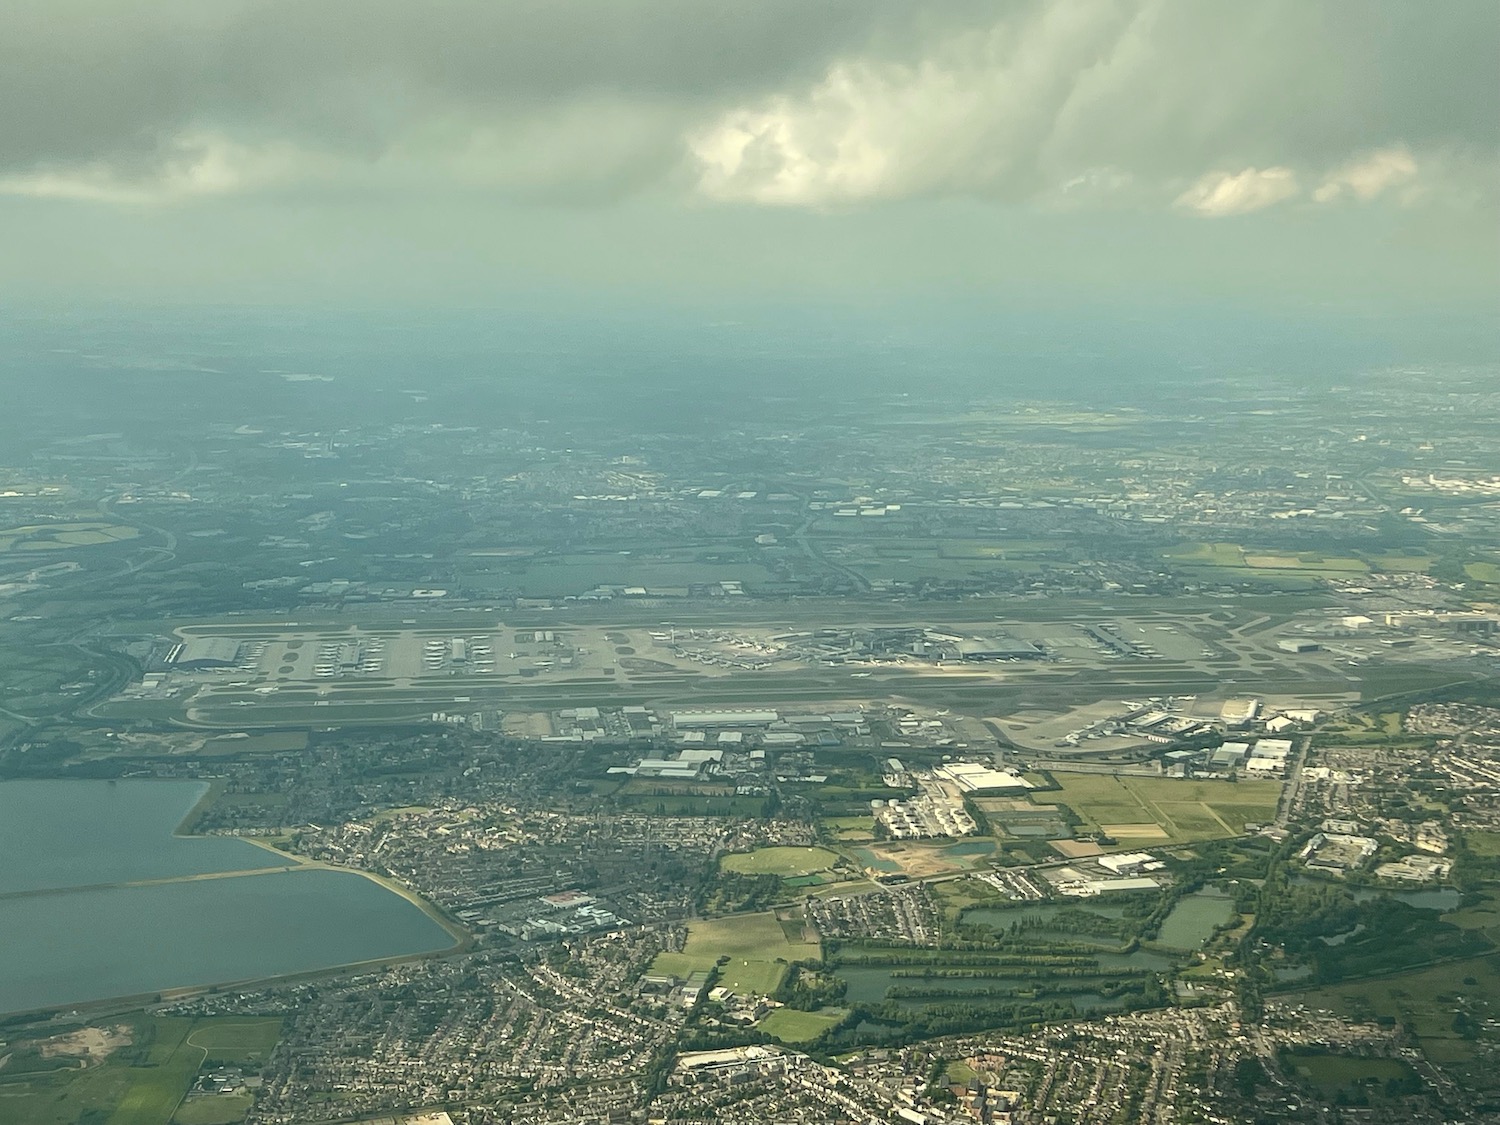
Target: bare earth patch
x,y
94,1043
1076,849
1135,831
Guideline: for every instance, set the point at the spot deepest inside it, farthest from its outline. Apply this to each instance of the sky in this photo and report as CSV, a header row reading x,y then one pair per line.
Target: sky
x,y
1267,152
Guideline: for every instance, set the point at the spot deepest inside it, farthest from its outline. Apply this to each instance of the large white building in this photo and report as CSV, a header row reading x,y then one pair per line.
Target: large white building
x,y
971,777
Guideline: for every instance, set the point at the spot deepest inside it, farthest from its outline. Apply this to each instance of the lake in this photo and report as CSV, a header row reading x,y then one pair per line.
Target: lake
x,y
1432,898
1442,898
70,939
1193,919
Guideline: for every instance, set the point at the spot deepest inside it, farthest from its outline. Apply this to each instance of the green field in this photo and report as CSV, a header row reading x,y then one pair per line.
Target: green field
x,y
786,862
1251,562
1482,843
1427,1002
1139,811
792,1026
756,945
236,1042
56,536
1401,561
1346,1074
1482,913
143,1083
214,1109
270,743
1486,572
1209,554
849,827
1379,681
576,574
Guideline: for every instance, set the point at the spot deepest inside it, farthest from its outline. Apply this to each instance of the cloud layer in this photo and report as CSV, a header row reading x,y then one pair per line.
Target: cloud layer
x,y
1216,109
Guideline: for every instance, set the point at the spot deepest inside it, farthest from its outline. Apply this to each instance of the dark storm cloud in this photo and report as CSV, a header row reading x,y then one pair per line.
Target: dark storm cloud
x,y
1223,107
89,79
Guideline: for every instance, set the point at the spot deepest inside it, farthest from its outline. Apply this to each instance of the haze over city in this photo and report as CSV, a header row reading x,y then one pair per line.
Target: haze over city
x,y
789,562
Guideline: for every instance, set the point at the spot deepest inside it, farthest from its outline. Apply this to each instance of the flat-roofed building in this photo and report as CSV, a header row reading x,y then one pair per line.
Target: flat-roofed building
x,y
1127,864
1298,644
1229,755
972,777
208,652
748,718
1273,748
998,647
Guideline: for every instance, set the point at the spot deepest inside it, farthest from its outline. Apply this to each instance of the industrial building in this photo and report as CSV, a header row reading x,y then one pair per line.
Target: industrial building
x,y
1129,863
684,720
207,652
999,648
1337,851
971,777
689,765
1230,755
1297,644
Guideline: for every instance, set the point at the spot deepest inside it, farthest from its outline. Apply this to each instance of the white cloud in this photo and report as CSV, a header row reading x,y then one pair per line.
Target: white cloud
x,y
833,150
1238,193
1369,176
970,114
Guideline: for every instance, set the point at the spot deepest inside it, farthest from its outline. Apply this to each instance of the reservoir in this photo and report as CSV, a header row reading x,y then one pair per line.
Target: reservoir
x,y
78,924
83,833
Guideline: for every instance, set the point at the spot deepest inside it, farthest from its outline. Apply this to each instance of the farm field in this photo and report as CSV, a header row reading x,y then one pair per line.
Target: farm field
x,y
1142,810
143,1082
214,1109
756,945
58,536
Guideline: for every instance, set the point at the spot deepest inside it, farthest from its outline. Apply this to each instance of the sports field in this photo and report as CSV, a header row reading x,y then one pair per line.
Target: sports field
x,y
1144,810
756,945
791,1026
789,863
1486,572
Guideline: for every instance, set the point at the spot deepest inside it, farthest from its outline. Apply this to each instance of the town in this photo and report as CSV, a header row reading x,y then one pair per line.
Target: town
x,y
932,773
